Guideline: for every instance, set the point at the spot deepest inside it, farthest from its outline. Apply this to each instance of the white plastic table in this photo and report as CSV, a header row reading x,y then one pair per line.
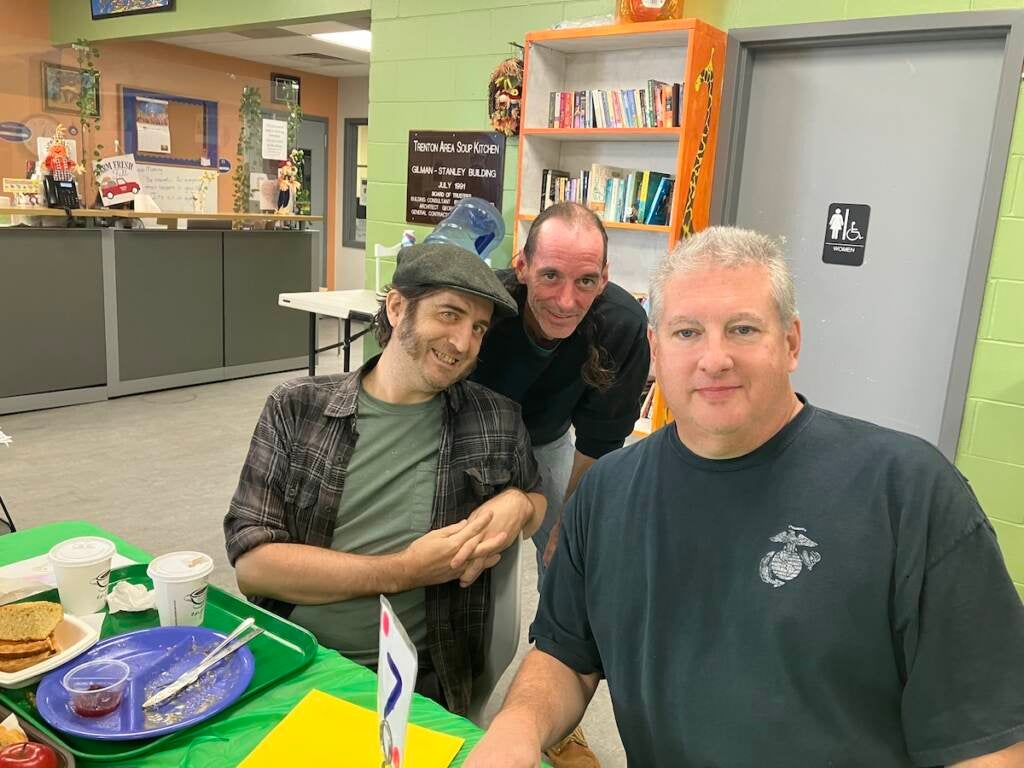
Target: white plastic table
x,y
359,306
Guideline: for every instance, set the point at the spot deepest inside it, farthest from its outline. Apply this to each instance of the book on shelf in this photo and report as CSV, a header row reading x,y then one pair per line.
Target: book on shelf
x,y
615,194
599,176
560,186
660,203
656,106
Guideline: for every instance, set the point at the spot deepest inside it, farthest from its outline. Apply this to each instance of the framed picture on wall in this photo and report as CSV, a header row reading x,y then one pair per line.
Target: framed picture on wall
x,y
105,9
63,87
285,89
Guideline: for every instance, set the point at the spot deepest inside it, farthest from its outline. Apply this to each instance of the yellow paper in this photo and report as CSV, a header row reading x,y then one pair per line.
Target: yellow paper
x,y
324,730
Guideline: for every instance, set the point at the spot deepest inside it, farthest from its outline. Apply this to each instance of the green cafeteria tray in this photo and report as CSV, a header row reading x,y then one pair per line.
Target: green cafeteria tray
x,y
280,651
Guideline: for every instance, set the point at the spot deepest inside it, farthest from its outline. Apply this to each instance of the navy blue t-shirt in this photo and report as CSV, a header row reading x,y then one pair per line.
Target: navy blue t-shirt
x,y
834,598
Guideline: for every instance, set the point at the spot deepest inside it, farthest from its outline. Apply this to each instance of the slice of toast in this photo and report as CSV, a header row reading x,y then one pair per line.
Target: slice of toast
x,y
23,662
29,621
25,648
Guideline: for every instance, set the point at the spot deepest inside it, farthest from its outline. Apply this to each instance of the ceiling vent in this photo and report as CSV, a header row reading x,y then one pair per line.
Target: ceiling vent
x,y
266,33
323,57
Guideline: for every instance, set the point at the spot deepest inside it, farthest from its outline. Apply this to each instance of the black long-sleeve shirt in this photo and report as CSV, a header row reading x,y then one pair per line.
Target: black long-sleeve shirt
x,y
548,384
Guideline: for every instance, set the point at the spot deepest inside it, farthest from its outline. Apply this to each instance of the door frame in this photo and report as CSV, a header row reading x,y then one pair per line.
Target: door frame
x,y
321,279
744,46
348,201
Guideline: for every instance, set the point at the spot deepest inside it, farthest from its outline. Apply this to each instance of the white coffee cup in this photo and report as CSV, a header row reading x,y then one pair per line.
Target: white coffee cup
x,y
180,580
82,569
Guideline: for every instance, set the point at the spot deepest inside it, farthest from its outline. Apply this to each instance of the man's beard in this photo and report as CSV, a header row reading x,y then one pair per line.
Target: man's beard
x,y
416,349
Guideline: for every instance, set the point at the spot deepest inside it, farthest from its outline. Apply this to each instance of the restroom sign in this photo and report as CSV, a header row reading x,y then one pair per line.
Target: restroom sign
x,y
846,233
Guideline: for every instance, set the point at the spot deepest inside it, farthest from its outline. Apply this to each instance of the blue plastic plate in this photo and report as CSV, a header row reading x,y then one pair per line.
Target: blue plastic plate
x,y
156,658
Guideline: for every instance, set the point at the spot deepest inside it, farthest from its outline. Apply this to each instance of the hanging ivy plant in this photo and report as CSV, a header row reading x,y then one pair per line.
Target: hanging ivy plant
x,y
250,131
294,121
88,104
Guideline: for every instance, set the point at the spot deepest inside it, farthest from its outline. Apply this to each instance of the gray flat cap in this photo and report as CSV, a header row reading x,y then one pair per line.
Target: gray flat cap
x,y
448,266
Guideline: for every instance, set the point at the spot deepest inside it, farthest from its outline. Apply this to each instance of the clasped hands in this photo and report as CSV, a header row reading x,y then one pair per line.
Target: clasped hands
x,y
467,548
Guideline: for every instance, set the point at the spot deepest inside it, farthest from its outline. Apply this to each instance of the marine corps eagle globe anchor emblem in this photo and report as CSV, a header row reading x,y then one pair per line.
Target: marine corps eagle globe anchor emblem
x,y
780,566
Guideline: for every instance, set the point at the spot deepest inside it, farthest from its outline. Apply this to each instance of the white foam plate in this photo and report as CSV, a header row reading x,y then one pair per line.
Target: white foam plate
x,y
74,636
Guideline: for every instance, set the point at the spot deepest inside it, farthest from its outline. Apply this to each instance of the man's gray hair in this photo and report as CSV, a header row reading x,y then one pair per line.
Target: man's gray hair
x,y
728,247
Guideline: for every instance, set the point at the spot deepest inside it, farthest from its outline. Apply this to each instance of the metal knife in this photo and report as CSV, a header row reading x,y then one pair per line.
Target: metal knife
x,y
193,674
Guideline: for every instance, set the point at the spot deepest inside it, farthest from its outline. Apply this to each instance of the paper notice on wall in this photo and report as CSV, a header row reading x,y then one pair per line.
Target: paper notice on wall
x,y
173,188
43,146
275,139
152,126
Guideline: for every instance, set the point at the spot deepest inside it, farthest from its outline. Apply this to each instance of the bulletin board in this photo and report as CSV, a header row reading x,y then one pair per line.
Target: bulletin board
x,y
192,124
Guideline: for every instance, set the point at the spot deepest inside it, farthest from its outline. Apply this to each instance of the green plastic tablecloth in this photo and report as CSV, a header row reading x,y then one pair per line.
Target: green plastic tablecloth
x,y
223,741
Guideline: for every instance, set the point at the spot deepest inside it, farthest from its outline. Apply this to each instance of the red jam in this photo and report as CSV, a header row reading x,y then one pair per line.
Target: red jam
x,y
96,704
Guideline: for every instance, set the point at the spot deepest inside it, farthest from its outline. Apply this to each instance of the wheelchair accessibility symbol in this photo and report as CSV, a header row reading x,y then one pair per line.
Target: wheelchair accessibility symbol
x,y
846,232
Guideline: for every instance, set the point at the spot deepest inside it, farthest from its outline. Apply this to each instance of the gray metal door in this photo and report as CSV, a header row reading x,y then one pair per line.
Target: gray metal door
x,y
312,140
905,126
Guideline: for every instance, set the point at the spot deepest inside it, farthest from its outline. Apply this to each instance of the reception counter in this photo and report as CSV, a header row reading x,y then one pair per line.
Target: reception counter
x,y
87,314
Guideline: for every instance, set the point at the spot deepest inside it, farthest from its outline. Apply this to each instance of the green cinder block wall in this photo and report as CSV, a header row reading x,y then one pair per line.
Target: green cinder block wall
x,y
429,69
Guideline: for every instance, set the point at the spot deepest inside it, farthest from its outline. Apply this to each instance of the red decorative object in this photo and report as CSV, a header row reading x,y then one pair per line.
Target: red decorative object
x,y
648,10
57,161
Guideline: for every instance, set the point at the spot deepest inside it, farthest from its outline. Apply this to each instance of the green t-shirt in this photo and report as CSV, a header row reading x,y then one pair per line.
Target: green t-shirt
x,y
386,505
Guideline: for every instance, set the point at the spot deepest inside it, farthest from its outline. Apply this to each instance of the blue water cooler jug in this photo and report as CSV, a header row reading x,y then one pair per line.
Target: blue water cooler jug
x,y
473,225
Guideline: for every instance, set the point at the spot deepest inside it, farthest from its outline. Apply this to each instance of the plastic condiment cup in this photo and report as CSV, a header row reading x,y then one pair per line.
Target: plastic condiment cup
x,y
180,580
81,567
95,688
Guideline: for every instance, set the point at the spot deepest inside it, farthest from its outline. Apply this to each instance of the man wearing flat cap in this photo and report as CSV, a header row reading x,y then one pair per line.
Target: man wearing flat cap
x,y
398,479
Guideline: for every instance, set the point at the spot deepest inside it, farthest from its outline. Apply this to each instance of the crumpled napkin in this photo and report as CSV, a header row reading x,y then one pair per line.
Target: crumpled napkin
x,y
130,597
11,723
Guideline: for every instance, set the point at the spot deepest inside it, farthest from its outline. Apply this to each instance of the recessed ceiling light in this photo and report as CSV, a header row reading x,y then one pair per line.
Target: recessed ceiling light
x,y
354,38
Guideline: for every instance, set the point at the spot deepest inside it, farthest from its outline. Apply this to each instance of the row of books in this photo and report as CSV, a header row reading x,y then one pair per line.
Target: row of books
x,y
614,194
656,106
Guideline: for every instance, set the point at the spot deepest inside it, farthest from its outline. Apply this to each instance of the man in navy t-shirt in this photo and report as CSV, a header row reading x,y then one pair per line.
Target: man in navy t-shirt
x,y
765,582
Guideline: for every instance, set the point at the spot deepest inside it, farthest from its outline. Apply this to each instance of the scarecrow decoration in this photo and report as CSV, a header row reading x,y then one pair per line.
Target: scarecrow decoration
x,y
504,93
58,162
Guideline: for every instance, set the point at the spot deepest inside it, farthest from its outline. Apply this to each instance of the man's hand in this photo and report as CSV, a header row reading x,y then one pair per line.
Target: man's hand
x,y
552,545
506,746
510,511
442,554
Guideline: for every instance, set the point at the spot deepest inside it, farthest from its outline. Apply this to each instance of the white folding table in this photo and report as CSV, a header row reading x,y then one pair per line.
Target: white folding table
x,y
355,306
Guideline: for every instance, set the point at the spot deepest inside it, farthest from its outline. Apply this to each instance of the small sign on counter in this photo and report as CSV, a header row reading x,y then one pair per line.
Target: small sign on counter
x,y
446,166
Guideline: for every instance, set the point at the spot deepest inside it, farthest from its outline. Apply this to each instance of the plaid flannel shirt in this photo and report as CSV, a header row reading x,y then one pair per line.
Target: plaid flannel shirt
x,y
293,480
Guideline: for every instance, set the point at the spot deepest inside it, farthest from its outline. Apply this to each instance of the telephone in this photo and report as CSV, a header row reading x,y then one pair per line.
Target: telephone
x,y
60,193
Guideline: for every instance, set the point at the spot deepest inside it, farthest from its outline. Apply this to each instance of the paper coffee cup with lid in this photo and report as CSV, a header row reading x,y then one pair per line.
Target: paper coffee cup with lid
x,y
81,567
180,580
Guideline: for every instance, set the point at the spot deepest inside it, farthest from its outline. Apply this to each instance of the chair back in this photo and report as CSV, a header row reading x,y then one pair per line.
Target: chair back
x,y
660,413
501,634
